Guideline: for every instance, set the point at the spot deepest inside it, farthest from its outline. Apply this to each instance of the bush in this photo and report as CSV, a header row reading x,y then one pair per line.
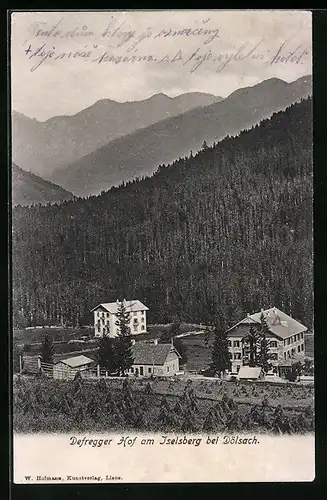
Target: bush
x,y
291,376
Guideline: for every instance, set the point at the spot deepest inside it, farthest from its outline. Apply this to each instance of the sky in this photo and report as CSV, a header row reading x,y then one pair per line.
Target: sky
x,y
63,62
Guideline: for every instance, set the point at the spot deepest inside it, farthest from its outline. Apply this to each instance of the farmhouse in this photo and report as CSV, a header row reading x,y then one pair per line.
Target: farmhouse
x,y
105,317
67,368
286,339
154,359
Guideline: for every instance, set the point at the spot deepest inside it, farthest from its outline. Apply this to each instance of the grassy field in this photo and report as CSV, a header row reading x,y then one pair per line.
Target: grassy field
x,y
55,334
66,334
46,405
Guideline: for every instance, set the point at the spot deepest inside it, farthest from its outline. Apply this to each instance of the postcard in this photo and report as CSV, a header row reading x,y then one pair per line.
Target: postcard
x,y
162,242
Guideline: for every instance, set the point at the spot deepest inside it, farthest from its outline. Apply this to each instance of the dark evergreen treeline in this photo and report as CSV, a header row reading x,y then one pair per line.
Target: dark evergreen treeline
x,y
221,233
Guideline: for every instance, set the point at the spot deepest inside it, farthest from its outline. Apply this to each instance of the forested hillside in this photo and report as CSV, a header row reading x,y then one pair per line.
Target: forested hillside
x,y
221,233
29,189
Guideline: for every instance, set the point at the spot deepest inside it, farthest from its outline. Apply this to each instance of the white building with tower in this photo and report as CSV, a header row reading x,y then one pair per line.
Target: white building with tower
x,y
105,318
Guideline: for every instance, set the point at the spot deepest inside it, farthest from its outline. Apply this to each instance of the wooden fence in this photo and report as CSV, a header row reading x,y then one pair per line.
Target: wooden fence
x,y
93,373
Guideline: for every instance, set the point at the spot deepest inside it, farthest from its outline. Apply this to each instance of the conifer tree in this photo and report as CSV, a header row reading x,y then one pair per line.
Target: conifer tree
x,y
250,343
263,348
47,350
206,336
106,353
123,345
170,336
220,353
16,356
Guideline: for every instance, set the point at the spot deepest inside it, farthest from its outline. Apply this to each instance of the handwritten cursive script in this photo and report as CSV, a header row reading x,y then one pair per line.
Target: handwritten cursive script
x,y
202,45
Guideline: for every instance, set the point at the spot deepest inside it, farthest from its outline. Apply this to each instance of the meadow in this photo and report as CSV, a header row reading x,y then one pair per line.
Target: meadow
x,y
46,405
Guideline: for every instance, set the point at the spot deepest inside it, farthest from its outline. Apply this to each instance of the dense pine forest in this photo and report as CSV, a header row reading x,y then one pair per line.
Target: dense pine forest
x,y
225,231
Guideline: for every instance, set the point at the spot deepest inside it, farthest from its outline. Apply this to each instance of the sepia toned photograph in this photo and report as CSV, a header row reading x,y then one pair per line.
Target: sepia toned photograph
x,y
162,245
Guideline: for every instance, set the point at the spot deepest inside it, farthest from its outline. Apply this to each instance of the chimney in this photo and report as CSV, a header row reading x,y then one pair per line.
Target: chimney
x,y
155,341
133,341
247,315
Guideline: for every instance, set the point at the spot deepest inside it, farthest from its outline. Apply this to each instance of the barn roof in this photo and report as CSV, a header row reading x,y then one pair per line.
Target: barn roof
x,y
76,361
280,324
249,372
131,306
151,354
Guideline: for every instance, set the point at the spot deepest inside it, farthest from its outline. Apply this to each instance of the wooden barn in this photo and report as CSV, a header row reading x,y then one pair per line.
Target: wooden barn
x,y
66,369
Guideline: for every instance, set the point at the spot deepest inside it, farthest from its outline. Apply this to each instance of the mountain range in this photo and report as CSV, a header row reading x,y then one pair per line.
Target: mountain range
x,y
139,154
42,147
29,189
109,142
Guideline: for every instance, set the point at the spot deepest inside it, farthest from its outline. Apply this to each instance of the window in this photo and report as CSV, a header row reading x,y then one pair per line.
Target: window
x,y
103,315
149,370
167,368
99,328
142,313
142,319
134,313
135,321
142,328
141,370
236,343
237,355
135,328
298,348
107,315
132,370
98,313
284,355
302,347
229,343
273,343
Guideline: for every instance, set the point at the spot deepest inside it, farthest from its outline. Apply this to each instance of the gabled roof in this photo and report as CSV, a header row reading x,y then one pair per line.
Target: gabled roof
x,y
131,306
280,324
76,361
249,372
241,330
151,354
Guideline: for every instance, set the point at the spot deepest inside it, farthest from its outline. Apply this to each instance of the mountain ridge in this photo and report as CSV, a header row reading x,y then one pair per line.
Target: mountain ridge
x,y
42,147
29,189
140,153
